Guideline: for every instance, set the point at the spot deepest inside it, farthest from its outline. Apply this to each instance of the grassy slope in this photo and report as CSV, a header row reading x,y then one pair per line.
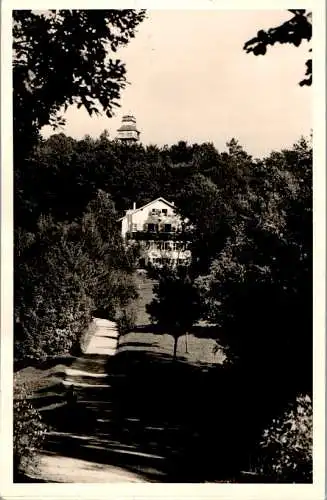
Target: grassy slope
x,y
144,338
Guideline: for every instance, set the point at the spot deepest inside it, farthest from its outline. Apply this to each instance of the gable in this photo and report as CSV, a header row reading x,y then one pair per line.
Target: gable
x,y
157,204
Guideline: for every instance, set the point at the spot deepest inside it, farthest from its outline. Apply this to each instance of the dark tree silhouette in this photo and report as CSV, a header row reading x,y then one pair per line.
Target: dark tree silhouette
x,y
175,306
293,31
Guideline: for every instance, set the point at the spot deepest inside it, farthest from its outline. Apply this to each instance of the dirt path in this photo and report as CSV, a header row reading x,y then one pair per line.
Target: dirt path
x,y
90,369
61,469
104,340
79,446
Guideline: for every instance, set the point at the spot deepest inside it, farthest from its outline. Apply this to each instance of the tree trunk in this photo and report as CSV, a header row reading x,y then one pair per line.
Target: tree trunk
x,y
186,345
175,347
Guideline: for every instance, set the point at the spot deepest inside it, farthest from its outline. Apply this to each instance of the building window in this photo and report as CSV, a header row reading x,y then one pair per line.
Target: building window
x,y
152,228
167,228
180,246
134,227
164,211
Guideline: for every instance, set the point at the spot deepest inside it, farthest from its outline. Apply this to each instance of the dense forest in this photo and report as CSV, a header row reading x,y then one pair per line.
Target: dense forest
x,y
252,240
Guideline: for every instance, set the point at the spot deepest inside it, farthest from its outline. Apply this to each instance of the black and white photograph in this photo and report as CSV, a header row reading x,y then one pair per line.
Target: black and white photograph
x,y
163,236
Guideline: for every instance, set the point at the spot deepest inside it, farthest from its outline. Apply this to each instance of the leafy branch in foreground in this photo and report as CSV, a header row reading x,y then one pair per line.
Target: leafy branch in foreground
x,y
293,31
65,57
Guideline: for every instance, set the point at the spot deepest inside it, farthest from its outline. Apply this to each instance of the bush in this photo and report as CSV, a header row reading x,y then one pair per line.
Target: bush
x,y
126,319
51,303
51,323
286,446
29,432
64,273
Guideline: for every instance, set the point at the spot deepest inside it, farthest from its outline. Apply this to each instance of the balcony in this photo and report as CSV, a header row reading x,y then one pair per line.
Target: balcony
x,y
162,236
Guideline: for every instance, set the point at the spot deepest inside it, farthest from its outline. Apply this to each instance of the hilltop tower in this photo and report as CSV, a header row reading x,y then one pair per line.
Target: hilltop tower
x,y
128,132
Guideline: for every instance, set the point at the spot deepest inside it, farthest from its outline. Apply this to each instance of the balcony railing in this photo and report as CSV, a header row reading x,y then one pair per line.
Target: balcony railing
x,y
162,235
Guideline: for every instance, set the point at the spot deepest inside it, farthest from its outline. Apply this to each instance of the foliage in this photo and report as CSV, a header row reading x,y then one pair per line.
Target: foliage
x,y
251,223
83,42
293,31
175,305
50,181
69,260
63,175
65,272
213,201
126,318
51,304
29,431
286,446
113,285
259,287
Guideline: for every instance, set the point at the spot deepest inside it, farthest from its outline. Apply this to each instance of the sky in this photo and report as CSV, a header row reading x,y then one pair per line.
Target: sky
x,y
189,79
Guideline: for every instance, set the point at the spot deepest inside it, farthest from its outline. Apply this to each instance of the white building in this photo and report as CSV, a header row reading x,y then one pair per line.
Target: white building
x,y
160,232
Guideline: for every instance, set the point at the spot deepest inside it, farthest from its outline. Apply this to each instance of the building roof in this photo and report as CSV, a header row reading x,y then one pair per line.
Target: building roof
x,y
127,127
131,211
129,118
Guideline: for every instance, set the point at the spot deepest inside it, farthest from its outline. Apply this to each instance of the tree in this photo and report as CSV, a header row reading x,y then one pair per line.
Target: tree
x,y
293,31
258,294
213,201
47,179
259,288
175,306
44,42
64,273
180,152
64,57
113,286
206,158
199,200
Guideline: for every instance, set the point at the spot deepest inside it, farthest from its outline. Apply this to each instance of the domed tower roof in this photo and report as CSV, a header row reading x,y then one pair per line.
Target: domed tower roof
x,y
128,132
